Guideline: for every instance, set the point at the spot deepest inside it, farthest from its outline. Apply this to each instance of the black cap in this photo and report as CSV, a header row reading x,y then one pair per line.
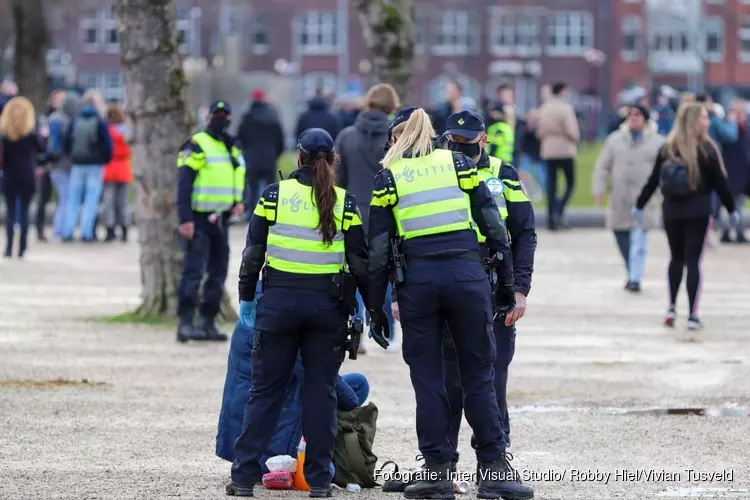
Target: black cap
x,y
315,140
402,115
466,124
642,110
220,106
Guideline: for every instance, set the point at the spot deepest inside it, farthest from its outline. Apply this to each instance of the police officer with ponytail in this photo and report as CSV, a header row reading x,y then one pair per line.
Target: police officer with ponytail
x,y
428,198
307,235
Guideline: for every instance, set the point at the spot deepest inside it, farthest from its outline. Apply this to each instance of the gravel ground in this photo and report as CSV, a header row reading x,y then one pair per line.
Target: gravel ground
x,y
93,410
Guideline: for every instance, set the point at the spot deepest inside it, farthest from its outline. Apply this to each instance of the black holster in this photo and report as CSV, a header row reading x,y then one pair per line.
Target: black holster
x,y
397,264
344,289
354,337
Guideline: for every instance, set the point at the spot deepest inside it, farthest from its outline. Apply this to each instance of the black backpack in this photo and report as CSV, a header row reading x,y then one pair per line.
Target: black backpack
x,y
674,180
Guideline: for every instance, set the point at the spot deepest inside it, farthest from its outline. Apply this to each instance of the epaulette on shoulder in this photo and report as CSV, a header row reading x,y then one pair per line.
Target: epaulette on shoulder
x,y
273,192
349,202
458,161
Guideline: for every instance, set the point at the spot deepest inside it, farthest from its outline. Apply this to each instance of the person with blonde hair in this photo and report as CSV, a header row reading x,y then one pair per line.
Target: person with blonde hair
x,y
688,169
426,201
89,146
20,147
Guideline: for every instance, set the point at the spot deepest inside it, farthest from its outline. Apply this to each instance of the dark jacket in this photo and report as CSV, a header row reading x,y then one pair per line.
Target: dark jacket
x,y
87,141
319,115
697,204
262,138
360,149
737,161
348,117
530,143
19,164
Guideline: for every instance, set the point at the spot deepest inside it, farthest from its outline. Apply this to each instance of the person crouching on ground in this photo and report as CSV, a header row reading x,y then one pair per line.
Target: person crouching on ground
x,y
622,168
117,176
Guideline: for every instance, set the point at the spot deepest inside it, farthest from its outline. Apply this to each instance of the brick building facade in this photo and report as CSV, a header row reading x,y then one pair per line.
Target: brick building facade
x,y
481,43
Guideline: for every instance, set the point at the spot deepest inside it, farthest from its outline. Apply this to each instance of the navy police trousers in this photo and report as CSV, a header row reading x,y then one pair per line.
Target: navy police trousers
x,y
207,252
456,291
505,339
288,321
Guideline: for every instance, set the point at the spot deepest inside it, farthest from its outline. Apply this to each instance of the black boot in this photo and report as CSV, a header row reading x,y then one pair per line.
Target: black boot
x,y
239,490
186,331
434,482
500,480
725,237
208,331
124,234
111,236
741,238
320,491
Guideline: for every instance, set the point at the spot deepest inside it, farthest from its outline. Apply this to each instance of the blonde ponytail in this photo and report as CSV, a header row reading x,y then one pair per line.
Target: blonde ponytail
x,y
414,135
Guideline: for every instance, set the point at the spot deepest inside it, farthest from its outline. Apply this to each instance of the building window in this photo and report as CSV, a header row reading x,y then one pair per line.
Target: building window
x,y
90,31
319,32
232,18
514,33
259,33
456,33
420,34
113,86
671,38
185,29
631,32
744,34
89,80
570,33
714,27
314,81
109,28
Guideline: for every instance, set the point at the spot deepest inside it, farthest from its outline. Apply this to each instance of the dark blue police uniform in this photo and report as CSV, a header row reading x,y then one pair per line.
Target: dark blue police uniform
x,y
297,313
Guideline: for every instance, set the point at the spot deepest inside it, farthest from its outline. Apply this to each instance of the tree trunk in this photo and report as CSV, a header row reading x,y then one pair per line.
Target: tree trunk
x,y
388,30
155,88
30,51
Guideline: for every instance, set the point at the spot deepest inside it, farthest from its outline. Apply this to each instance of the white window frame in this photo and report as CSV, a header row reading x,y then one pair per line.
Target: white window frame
x,y
523,27
110,91
185,23
632,25
255,27
744,29
559,23
321,29
673,31
232,18
109,22
715,25
89,80
90,20
456,23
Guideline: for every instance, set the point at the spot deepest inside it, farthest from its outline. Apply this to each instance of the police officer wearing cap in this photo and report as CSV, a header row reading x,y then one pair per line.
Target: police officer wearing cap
x,y
501,135
466,134
210,186
306,232
430,199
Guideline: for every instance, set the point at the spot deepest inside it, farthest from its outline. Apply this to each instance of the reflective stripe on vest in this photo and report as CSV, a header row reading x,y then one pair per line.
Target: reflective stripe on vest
x,y
430,200
214,188
294,243
498,192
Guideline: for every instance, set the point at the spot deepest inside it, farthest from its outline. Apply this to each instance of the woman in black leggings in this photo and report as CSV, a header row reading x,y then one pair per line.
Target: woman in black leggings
x,y
688,169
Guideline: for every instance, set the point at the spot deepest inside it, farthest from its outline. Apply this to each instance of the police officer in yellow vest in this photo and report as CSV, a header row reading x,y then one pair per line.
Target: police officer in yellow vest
x,y
307,232
501,135
210,185
466,134
431,200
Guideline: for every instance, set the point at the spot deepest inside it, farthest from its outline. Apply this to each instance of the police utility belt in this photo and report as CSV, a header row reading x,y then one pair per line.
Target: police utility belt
x,y
398,261
341,286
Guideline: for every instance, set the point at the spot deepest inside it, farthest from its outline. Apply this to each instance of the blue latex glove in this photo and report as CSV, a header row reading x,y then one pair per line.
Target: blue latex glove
x,y
247,313
637,214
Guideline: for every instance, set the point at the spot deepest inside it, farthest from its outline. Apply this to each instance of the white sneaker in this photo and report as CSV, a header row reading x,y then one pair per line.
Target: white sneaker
x,y
694,324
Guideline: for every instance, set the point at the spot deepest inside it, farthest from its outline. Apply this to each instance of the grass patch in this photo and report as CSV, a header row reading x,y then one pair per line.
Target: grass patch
x,y
129,318
47,384
585,161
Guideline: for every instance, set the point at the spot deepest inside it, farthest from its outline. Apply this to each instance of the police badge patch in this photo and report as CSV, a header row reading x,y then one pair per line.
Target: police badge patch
x,y
495,185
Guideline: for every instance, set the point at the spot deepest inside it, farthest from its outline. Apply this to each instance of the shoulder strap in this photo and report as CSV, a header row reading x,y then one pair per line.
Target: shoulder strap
x,y
273,197
357,463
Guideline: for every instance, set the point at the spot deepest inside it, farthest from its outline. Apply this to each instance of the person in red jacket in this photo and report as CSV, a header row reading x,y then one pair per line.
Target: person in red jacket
x,y
118,175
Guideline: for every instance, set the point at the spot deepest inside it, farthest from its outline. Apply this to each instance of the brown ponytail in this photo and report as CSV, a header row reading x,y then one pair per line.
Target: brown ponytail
x,y
323,182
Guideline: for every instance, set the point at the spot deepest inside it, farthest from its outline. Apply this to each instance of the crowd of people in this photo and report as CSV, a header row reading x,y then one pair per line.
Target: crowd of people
x,y
74,151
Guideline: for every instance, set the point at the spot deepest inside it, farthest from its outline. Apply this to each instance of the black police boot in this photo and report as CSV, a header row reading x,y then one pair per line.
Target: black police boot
x,y
111,236
208,331
239,490
433,482
185,330
320,491
500,480
124,234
